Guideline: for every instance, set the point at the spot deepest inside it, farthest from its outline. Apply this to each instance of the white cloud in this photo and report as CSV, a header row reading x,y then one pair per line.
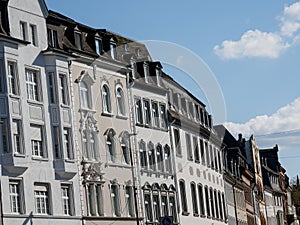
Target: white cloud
x,y
256,43
253,43
290,19
282,127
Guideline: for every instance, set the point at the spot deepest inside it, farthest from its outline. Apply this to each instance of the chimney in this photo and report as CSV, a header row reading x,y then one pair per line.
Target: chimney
x,y
240,137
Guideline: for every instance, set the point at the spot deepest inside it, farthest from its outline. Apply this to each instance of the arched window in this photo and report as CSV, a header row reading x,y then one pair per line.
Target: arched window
x,y
159,158
173,204
201,200
216,204
115,200
212,202
148,202
220,206
84,95
89,145
143,154
167,157
106,104
207,201
125,148
110,145
194,199
120,101
151,153
156,202
184,206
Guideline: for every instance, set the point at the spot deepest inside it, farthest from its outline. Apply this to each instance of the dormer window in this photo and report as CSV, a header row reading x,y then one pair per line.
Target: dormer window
x,y
99,46
134,68
78,39
158,75
146,72
52,38
113,49
138,52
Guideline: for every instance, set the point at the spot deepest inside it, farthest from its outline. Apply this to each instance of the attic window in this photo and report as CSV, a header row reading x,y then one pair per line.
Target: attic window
x,y
158,75
138,52
113,49
146,72
99,46
78,40
52,38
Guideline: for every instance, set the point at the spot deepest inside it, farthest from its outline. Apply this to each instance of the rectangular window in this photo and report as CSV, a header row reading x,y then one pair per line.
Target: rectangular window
x,y
78,40
163,118
68,147
15,197
173,210
194,199
64,94
129,200
207,154
148,207
188,147
4,136
147,112
113,50
52,38
37,141
155,115
1,77
66,196
41,199
164,204
138,110
177,142
17,136
184,206
156,207
33,32
95,199
32,84
23,31
12,78
196,149
56,141
99,46
202,156
201,200
52,89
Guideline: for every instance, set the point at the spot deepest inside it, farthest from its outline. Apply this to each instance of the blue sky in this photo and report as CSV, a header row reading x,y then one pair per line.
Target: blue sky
x,y
252,47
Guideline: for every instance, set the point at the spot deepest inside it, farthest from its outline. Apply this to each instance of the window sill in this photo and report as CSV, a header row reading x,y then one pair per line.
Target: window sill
x,y
33,102
116,164
202,216
38,158
185,213
70,160
196,215
197,161
107,114
19,155
123,117
65,106
15,96
87,110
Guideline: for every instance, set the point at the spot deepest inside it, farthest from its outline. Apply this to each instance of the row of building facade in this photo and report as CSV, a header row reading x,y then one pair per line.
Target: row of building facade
x,y
92,131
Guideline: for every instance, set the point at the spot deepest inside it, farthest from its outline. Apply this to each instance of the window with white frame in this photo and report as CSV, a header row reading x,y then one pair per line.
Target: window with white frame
x,y
207,203
155,114
85,95
184,206
159,158
148,206
194,199
212,157
188,147
138,111
120,101
41,199
37,140
202,156
176,134
158,76
220,205
52,89
125,148
4,136
99,46
67,203
95,198
33,86
12,78
17,132
129,198
33,33
52,38
115,199
147,112
106,104
110,146
207,154
64,93
143,155
16,197
163,118
172,205
216,204
156,206
89,144
56,142
146,72
68,146
211,200
151,154
23,31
